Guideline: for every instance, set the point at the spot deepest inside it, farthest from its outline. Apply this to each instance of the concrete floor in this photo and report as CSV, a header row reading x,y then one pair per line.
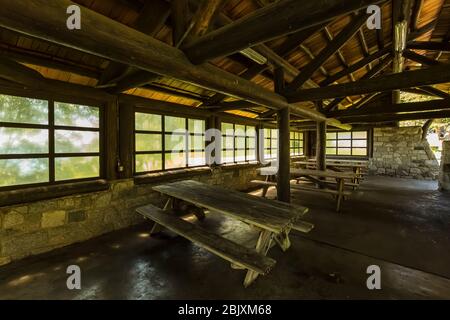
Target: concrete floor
x,y
400,225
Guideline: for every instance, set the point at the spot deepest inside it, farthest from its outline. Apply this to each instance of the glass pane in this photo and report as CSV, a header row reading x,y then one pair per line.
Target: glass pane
x,y
300,135
196,126
148,142
23,171
174,124
239,130
68,114
76,141
196,143
331,151
344,151
227,142
23,141
76,168
227,156
266,133
331,135
251,155
331,143
175,142
251,143
147,122
227,129
274,143
23,110
360,143
266,143
359,151
148,162
240,143
251,132
344,143
360,135
240,155
292,135
196,159
344,135
274,133
175,160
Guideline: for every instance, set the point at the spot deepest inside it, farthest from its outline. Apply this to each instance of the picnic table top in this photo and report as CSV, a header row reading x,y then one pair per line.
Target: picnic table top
x,y
267,214
334,164
323,174
360,162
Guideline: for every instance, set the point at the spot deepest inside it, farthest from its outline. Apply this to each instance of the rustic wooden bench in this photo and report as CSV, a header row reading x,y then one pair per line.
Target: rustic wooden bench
x,y
273,219
224,248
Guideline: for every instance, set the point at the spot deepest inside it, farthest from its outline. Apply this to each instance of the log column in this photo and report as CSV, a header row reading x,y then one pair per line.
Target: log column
x,y
321,141
126,140
284,157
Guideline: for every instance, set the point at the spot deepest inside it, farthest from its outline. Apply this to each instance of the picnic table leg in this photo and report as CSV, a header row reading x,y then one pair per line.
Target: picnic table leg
x,y
157,227
283,240
262,246
340,194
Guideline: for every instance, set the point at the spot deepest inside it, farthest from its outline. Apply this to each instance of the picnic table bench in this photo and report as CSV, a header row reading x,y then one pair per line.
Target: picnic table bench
x,y
273,219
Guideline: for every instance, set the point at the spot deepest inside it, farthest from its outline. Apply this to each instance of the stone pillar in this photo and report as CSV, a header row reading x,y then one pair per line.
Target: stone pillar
x,y
444,175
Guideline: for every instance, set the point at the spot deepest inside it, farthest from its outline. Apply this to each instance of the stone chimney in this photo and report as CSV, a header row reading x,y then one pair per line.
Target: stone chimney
x,y
444,175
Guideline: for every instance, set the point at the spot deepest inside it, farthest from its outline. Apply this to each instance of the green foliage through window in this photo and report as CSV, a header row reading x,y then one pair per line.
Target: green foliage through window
x,y
35,149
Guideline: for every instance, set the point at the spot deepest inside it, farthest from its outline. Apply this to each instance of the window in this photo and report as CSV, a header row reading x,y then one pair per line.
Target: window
x,y
238,143
347,143
167,142
42,141
296,143
270,144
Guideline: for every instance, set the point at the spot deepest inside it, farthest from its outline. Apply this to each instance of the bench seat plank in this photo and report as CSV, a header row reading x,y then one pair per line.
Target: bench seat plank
x,y
224,248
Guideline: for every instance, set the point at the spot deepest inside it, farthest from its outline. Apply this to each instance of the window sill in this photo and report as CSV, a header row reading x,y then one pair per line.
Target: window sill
x,y
187,173
13,197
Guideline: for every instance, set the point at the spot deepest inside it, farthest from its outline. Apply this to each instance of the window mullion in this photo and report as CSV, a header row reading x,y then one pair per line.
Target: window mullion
x,y
51,139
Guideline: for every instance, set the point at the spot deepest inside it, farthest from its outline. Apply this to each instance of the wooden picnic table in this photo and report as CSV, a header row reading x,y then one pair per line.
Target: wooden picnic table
x,y
357,167
313,176
273,219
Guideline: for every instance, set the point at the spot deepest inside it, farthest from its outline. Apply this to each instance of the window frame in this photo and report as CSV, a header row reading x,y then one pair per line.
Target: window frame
x,y
234,137
52,127
301,148
271,147
163,133
351,139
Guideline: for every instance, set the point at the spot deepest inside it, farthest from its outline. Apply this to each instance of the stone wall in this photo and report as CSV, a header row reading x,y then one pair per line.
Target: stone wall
x,y
444,175
400,152
38,227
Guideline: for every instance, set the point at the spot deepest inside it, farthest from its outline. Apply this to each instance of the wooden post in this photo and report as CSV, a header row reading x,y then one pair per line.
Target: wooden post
x,y
111,139
321,141
126,140
284,156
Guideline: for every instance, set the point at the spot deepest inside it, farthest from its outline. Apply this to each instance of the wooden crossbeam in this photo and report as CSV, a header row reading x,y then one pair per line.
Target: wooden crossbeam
x,y
204,16
411,55
348,32
429,46
151,19
281,18
18,73
408,79
378,118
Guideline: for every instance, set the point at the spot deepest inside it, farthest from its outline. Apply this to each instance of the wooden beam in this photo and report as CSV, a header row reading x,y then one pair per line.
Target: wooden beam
x,y
424,60
408,79
204,15
135,49
399,117
429,46
179,16
18,73
321,145
415,17
379,108
282,18
348,32
435,92
49,62
151,19
356,66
